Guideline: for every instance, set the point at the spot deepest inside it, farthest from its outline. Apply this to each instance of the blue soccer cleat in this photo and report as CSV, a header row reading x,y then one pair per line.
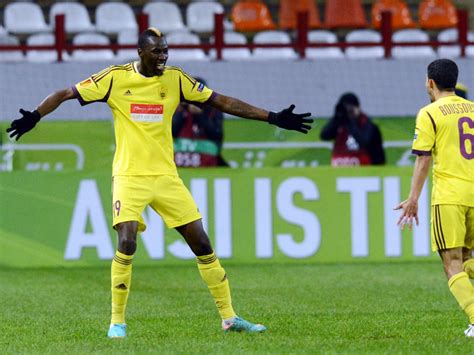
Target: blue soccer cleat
x,y
238,324
117,331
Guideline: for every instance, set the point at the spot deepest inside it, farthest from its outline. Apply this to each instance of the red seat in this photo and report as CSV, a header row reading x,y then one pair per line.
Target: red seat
x,y
344,14
288,13
401,17
437,14
251,16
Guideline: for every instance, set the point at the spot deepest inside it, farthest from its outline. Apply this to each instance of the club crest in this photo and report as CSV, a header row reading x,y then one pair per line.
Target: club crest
x,y
163,92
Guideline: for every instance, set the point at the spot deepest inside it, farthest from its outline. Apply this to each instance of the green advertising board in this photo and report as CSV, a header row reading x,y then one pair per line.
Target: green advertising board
x,y
319,214
89,145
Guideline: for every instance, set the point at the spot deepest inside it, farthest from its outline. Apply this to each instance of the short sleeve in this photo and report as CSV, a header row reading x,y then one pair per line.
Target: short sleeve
x,y
425,134
193,90
95,88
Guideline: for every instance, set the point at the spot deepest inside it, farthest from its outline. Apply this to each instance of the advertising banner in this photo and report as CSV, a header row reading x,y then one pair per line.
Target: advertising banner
x,y
89,146
319,214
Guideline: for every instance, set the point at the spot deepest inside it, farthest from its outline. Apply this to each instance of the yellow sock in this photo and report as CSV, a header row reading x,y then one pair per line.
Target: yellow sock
x,y
121,278
462,289
469,268
216,279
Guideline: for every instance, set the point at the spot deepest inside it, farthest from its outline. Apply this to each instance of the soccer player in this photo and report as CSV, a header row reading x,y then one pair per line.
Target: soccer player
x,y
444,132
143,96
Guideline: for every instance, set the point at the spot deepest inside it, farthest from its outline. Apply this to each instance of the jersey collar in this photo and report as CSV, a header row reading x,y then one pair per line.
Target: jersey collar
x,y
135,67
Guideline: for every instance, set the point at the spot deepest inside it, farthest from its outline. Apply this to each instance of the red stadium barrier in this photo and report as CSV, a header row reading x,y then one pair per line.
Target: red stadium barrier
x,y
60,35
386,31
463,19
299,45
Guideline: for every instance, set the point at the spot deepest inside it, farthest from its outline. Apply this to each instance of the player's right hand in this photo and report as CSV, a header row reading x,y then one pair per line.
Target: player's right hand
x,y
24,124
409,209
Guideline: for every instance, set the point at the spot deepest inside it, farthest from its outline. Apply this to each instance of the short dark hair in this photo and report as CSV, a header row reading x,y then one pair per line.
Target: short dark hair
x,y
444,72
145,35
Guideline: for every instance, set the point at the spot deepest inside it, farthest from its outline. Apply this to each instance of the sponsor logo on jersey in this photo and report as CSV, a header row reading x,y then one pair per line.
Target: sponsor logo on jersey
x,y
200,87
146,113
128,93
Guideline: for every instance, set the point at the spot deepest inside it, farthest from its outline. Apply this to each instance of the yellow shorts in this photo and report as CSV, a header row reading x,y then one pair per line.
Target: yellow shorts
x,y
166,194
452,226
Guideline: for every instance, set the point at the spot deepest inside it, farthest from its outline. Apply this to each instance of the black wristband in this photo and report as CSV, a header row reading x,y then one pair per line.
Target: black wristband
x,y
37,115
272,117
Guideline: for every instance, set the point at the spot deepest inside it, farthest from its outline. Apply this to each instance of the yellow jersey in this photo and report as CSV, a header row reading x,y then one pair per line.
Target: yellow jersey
x,y
445,129
142,108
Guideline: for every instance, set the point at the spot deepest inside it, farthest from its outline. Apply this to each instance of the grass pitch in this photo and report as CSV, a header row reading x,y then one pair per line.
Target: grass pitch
x,y
349,308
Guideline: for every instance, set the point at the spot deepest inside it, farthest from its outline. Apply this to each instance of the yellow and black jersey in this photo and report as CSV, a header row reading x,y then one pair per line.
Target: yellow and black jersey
x,y
445,129
142,108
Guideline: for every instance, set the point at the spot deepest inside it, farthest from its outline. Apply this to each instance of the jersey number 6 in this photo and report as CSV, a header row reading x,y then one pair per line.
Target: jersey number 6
x,y
464,137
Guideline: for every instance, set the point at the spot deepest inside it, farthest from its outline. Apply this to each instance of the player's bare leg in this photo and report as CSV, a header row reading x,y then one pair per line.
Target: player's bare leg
x,y
468,262
196,237
459,283
127,237
121,275
215,277
452,261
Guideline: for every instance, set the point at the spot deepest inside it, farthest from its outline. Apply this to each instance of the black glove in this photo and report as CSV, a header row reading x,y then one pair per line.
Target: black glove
x,y
25,124
293,121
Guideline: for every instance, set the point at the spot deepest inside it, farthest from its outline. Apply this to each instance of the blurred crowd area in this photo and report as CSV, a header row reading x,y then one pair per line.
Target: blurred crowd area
x,y
191,22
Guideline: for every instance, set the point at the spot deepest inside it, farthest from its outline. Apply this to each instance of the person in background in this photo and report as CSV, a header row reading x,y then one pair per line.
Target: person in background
x,y
357,140
198,134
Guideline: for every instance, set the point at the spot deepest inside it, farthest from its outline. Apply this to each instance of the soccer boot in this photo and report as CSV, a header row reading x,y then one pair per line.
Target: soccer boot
x,y
117,331
470,331
238,324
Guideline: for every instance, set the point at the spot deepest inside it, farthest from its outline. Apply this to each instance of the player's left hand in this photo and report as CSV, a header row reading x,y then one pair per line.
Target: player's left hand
x,y
292,121
410,212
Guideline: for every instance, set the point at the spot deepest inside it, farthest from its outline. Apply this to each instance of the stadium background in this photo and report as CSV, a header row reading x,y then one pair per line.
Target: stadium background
x,y
280,203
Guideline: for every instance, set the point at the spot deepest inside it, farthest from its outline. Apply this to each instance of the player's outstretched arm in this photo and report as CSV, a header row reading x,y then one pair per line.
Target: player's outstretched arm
x,y
284,119
29,119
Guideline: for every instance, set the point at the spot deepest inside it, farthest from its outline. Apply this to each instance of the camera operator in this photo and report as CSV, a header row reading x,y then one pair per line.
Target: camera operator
x,y
357,140
198,135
